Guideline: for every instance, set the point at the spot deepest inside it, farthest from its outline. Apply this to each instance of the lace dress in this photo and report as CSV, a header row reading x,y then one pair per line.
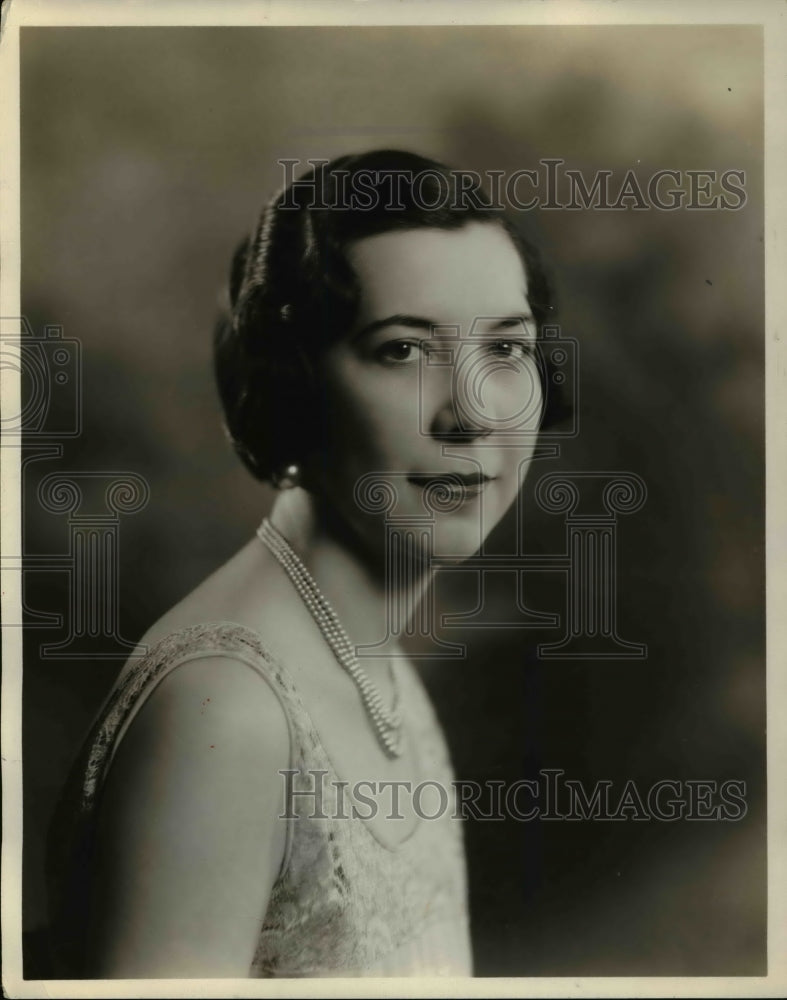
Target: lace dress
x,y
343,903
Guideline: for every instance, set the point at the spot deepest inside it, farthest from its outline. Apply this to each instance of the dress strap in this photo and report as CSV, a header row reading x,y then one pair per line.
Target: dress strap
x,y
227,640
71,836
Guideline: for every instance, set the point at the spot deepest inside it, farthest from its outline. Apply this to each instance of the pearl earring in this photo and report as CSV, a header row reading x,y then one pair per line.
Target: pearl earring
x,y
287,477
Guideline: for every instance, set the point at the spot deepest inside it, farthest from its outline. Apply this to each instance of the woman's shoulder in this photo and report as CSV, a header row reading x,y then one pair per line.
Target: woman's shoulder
x,y
209,705
202,686
220,598
238,613
203,665
217,617
194,785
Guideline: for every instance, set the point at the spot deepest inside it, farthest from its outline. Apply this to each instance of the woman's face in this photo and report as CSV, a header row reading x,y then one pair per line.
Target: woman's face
x,y
435,391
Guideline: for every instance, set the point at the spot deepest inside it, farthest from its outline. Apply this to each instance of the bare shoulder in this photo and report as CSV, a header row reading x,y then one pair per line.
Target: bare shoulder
x,y
211,702
194,790
246,590
222,596
212,734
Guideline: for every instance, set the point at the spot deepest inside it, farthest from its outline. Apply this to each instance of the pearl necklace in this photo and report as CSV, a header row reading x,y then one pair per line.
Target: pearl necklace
x,y
387,725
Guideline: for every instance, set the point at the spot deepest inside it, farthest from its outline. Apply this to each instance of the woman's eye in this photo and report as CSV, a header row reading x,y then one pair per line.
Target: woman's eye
x,y
397,351
513,348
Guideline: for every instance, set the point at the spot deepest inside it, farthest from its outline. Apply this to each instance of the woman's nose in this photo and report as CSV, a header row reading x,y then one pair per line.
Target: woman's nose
x,y
455,421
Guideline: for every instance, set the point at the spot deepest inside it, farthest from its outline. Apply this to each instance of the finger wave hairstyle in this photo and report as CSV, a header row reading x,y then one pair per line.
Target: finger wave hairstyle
x,y
292,292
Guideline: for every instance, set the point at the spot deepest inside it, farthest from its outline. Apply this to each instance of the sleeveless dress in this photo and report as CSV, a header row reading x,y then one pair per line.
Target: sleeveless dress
x,y
343,903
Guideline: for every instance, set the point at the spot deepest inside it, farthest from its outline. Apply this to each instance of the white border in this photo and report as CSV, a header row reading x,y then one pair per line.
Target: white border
x,y
773,17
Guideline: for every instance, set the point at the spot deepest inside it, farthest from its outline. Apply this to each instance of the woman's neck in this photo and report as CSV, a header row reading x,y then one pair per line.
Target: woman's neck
x,y
358,586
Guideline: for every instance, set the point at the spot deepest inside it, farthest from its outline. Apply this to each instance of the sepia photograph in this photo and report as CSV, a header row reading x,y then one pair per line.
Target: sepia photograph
x,y
384,498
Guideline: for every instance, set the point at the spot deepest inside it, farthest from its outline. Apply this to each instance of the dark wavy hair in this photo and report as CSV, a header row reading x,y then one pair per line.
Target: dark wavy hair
x,y
292,292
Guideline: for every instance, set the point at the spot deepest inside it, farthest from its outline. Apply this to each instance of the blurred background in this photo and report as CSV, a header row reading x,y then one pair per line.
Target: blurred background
x,y
146,155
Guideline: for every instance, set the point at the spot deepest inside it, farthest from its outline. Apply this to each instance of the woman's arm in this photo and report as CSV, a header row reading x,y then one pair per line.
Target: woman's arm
x,y
189,841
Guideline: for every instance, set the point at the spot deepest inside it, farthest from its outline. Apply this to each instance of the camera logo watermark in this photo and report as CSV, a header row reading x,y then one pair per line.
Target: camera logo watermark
x,y
544,367
49,413
49,368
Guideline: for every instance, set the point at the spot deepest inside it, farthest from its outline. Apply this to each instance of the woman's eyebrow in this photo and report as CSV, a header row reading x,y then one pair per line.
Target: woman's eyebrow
x,y
397,319
422,323
506,322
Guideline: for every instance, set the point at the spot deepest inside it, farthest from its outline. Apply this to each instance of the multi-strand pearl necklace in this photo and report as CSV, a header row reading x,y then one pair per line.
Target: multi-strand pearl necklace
x,y
387,725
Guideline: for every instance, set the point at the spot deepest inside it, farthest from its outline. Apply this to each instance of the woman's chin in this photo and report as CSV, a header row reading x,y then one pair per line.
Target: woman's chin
x,y
460,535
442,536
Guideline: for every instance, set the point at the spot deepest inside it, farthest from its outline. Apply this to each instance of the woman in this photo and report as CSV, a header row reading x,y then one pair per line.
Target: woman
x,y
379,365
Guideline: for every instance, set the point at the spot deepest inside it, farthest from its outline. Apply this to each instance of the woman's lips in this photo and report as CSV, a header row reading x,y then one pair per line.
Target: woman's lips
x,y
460,485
